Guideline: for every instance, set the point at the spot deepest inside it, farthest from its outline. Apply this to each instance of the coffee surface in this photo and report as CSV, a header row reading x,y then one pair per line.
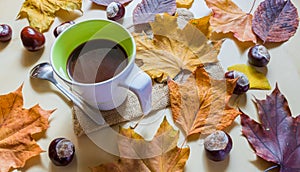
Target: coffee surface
x,y
96,61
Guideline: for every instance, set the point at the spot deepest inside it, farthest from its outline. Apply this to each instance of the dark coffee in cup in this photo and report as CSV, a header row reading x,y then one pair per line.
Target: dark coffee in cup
x,y
96,61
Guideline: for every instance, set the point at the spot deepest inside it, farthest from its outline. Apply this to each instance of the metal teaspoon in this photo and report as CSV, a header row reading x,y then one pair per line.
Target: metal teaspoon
x,y
45,71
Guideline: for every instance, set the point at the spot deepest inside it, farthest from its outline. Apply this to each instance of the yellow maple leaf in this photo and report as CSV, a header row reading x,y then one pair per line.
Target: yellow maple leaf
x,y
161,154
41,13
203,25
173,49
228,17
184,3
257,80
201,103
17,125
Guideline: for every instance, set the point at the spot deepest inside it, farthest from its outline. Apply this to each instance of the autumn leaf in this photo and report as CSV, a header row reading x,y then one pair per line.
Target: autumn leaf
x,y
203,25
107,2
228,17
173,49
17,125
41,13
159,155
146,10
277,137
184,3
257,80
275,20
201,104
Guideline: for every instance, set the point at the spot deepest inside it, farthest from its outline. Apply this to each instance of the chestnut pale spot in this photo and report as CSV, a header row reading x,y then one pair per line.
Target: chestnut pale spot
x,y
215,141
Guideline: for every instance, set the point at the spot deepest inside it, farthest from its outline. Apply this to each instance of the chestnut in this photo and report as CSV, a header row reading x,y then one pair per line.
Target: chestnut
x,y
242,84
217,145
62,27
115,11
5,32
61,151
259,56
32,39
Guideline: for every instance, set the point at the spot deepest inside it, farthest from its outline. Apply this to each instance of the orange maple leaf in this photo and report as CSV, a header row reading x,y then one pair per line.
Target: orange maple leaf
x,y
17,125
201,103
228,17
158,155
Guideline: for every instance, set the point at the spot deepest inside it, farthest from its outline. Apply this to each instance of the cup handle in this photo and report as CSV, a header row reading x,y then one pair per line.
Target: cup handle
x,y
141,85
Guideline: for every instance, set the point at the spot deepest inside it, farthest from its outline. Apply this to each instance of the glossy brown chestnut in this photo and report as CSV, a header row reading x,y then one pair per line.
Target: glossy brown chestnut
x,y
61,151
5,32
32,39
259,56
217,145
62,27
242,84
115,11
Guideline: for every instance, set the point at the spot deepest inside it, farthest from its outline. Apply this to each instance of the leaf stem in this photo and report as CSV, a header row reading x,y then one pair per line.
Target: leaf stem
x,y
252,7
271,168
183,143
178,152
236,101
138,122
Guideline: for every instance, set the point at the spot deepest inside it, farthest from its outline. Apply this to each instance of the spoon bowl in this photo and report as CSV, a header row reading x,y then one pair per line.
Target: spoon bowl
x,y
42,71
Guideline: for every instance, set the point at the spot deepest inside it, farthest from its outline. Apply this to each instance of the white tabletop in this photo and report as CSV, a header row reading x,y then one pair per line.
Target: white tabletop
x,y
16,62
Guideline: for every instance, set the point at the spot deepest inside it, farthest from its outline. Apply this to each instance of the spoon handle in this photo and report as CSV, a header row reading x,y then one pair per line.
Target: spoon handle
x,y
93,113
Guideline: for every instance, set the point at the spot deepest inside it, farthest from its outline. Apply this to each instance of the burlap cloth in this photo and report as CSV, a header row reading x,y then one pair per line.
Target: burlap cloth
x,y
130,109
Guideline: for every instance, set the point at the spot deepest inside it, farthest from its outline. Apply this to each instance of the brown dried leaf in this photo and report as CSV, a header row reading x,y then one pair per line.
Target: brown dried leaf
x,y
159,155
277,138
173,49
275,20
228,17
17,125
41,13
201,104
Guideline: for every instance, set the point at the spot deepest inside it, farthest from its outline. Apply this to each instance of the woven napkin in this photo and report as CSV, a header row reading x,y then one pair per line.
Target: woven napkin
x,y
130,109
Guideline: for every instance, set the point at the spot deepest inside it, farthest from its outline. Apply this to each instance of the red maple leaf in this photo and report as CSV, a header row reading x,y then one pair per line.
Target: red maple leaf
x,y
277,138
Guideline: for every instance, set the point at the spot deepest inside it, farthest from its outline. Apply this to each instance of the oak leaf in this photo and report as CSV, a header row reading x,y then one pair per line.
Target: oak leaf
x,y
275,20
146,10
257,80
173,49
228,17
277,138
17,125
159,155
201,103
107,2
41,13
